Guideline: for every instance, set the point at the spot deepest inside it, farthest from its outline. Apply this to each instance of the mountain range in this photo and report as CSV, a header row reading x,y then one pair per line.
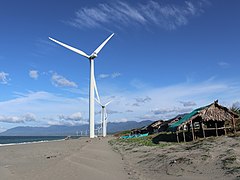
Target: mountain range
x,y
62,130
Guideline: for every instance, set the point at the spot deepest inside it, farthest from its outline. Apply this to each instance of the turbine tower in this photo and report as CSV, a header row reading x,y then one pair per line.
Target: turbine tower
x,y
92,80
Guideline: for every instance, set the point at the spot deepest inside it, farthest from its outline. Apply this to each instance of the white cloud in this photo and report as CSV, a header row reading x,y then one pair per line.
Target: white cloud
x,y
129,111
136,104
148,117
4,78
60,81
33,74
18,119
164,103
120,120
188,103
138,84
143,100
109,111
174,110
123,13
223,64
103,76
113,75
44,104
73,117
69,120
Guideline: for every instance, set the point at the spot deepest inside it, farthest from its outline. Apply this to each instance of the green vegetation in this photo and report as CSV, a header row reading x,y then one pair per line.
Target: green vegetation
x,y
141,141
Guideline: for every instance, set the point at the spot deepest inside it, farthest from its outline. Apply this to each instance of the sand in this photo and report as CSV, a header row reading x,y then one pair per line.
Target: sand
x,y
65,160
212,158
85,159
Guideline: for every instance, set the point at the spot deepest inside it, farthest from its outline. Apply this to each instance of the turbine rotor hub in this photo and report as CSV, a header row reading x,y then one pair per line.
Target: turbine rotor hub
x,y
93,55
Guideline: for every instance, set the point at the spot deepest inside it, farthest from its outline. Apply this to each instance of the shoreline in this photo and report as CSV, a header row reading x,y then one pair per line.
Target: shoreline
x,y
36,139
33,142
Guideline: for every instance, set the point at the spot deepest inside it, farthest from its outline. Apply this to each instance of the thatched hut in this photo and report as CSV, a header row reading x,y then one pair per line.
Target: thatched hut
x,y
157,126
152,128
213,119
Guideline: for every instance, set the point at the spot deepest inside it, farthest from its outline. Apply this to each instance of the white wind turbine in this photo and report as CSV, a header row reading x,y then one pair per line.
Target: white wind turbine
x,y
103,111
91,87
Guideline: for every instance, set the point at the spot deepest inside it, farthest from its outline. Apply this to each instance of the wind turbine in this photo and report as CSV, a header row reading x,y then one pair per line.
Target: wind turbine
x,y
91,87
104,117
103,111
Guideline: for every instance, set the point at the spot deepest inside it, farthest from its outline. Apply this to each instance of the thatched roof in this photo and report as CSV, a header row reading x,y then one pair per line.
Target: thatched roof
x,y
156,124
217,112
214,112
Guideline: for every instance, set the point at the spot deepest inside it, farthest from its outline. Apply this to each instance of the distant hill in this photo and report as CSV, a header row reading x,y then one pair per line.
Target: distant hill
x,y
60,130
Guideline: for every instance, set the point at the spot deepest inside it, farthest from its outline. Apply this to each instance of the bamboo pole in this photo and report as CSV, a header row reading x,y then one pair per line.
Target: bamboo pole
x,y
184,137
177,137
234,126
225,131
192,131
204,136
216,129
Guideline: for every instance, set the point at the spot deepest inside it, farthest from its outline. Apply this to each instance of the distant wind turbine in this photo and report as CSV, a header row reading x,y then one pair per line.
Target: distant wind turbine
x,y
103,111
91,87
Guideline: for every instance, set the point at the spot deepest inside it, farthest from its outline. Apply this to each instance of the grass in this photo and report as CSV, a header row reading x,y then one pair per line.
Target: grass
x,y
141,141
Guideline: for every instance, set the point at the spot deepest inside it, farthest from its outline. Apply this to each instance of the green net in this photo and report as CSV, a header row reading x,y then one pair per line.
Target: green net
x,y
173,127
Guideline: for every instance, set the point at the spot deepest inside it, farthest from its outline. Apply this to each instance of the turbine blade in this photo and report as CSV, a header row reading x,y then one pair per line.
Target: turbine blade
x,y
108,103
70,48
96,90
98,102
106,116
103,44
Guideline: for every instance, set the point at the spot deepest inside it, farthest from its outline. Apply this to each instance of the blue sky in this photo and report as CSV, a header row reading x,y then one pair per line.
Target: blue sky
x,y
166,58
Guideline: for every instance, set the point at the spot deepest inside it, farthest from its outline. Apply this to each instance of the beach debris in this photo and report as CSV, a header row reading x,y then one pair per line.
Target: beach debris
x,y
67,138
134,136
49,157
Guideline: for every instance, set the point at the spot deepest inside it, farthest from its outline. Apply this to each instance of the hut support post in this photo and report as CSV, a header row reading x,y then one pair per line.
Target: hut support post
x,y
192,131
234,126
203,130
216,129
225,131
184,137
177,137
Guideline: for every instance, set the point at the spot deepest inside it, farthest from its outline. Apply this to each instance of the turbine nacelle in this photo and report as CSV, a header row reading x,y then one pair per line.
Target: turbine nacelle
x,y
93,55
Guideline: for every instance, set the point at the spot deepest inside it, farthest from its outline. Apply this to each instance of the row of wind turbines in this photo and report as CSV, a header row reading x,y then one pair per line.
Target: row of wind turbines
x,y
92,87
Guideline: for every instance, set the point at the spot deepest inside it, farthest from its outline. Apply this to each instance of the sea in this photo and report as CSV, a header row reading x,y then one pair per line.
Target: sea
x,y
13,140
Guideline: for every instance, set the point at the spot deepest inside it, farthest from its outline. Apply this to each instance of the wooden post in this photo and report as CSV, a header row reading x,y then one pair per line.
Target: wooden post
x,y
177,137
184,138
192,131
216,129
225,131
203,130
234,126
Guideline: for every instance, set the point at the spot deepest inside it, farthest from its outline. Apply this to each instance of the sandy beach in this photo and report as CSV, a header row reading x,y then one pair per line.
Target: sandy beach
x,y
213,158
69,159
